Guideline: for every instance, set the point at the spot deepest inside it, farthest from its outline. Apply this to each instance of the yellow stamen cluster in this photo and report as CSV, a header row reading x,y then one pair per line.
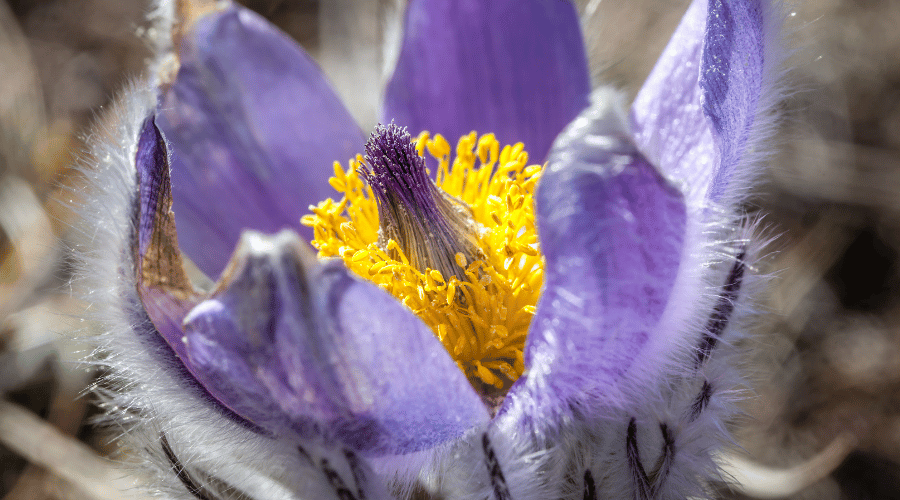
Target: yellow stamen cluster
x,y
482,320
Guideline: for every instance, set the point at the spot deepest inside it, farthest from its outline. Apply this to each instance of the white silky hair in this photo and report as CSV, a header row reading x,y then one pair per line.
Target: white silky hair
x,y
164,420
553,465
663,384
147,398
598,442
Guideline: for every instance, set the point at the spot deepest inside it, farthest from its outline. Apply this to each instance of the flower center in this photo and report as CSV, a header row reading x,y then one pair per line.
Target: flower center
x,y
461,252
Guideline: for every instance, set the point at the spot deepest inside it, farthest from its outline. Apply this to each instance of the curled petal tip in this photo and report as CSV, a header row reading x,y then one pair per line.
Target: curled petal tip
x,y
162,281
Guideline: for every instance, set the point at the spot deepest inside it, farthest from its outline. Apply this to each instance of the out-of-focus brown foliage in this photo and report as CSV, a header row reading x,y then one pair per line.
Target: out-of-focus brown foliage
x,y
825,361
829,360
61,62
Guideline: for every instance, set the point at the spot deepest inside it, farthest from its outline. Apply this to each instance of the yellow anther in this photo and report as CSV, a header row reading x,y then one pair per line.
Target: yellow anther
x,y
422,142
488,150
395,247
339,171
505,155
488,376
532,170
464,148
528,250
438,147
483,317
517,149
451,292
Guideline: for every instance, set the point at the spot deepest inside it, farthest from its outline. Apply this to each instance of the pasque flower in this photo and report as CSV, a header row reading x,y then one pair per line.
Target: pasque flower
x,y
555,330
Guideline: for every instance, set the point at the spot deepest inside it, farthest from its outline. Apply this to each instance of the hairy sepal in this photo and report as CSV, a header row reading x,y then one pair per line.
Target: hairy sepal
x,y
149,396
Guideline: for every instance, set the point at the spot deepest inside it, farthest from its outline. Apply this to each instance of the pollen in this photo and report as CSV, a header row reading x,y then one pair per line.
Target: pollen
x,y
480,302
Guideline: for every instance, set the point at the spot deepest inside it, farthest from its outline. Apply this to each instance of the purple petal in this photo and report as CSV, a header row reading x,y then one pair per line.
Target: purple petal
x,y
695,113
164,288
289,342
152,164
732,79
516,68
254,129
611,229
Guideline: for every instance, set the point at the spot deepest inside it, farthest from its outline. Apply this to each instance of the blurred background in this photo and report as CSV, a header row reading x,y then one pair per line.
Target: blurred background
x,y
825,361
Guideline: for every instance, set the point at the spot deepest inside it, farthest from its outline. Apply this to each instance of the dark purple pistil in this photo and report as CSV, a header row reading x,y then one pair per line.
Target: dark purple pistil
x,y
429,226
